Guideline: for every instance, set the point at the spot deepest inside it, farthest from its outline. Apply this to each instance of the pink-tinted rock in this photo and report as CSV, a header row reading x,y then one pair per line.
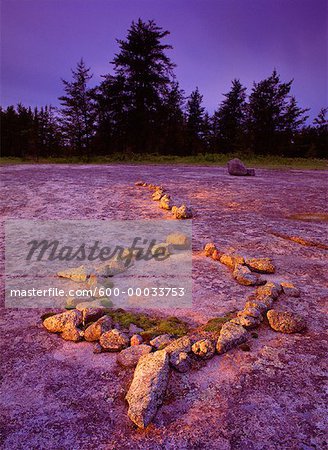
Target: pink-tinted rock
x,y
130,356
113,341
285,321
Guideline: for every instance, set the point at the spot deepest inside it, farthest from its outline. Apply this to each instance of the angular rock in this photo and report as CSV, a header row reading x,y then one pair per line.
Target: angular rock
x,y
270,289
114,341
157,195
285,321
244,276
96,329
148,387
92,314
290,289
59,322
180,361
161,341
139,183
247,320
72,333
203,348
231,335
111,268
182,344
180,241
216,255
134,329
251,311
76,274
183,212
162,249
130,356
236,167
209,248
231,260
261,265
136,339
166,202
260,306
97,348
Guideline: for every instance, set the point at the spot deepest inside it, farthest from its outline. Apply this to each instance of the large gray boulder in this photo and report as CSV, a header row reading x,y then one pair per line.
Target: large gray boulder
x,y
148,387
236,167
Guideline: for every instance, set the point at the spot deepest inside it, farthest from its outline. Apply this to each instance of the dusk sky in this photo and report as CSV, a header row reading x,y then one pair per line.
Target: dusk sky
x,y
214,41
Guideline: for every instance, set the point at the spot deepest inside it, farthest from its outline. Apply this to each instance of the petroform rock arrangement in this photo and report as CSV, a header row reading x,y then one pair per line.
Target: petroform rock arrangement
x,y
148,387
261,265
244,276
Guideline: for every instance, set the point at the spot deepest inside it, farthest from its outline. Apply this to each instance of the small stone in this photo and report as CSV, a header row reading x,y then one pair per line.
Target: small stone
x,y
251,311
166,202
247,321
204,348
231,335
245,347
76,274
161,341
92,314
130,356
139,183
216,255
114,341
182,213
289,289
136,339
72,333
261,265
97,348
59,322
209,248
157,195
180,241
244,276
268,289
285,321
231,260
182,344
236,167
260,306
134,329
148,387
180,361
96,329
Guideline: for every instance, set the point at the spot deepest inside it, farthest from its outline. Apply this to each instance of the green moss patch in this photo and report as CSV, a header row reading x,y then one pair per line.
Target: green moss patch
x,y
215,324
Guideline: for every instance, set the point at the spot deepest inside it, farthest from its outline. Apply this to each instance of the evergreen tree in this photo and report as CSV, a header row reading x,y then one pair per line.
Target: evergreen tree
x,y
273,115
78,111
229,119
195,121
144,74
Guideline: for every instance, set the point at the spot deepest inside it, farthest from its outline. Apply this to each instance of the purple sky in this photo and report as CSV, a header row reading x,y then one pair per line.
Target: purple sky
x,y
214,41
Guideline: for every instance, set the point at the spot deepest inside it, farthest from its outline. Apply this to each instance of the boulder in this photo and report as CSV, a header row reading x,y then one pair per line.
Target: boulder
x,y
96,329
72,333
161,341
182,344
244,276
183,212
180,361
236,167
270,289
165,202
231,260
130,356
285,321
59,322
180,241
136,339
289,289
203,348
76,274
261,265
148,387
113,341
231,335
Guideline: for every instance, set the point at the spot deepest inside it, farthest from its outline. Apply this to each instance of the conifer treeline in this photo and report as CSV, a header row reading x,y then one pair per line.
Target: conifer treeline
x,y
140,108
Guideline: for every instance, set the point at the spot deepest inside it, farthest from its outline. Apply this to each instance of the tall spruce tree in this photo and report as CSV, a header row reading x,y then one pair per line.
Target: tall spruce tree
x,y
273,116
195,121
229,119
78,111
143,73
